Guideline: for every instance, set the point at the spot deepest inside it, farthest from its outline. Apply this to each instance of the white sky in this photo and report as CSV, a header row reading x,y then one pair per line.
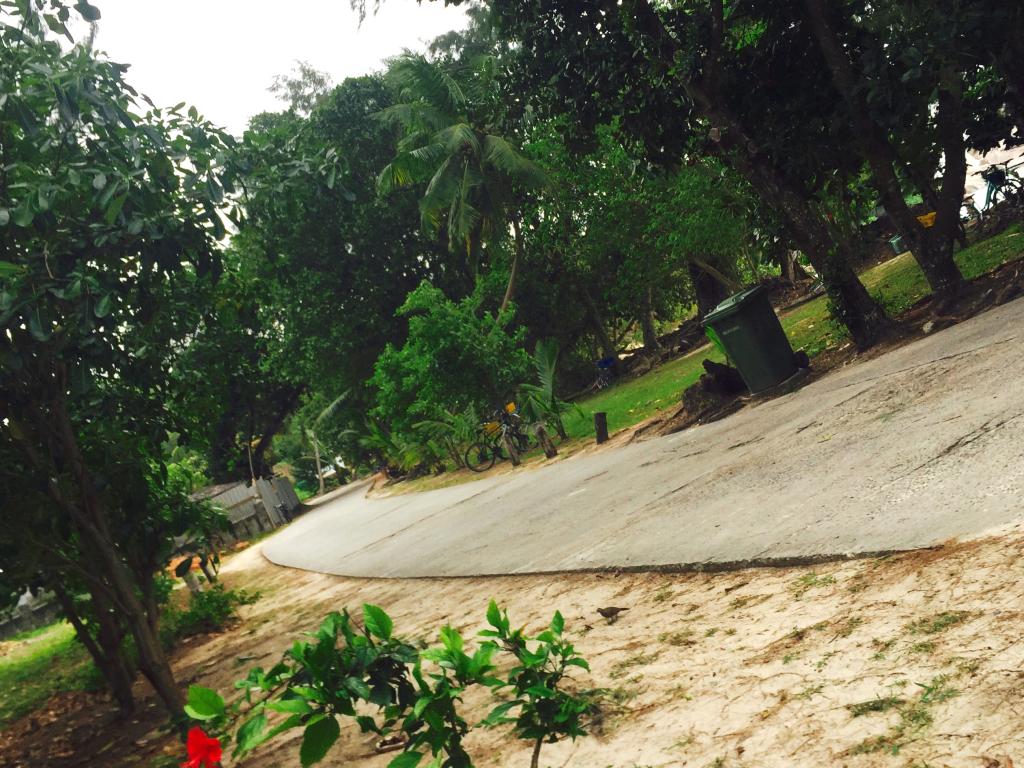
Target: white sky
x,y
221,55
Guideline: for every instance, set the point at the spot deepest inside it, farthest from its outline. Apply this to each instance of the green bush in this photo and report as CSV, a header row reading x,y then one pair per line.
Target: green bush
x,y
456,356
208,611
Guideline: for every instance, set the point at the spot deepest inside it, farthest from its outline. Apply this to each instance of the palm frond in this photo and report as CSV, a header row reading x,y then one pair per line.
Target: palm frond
x,y
545,360
458,136
502,156
423,80
403,170
331,409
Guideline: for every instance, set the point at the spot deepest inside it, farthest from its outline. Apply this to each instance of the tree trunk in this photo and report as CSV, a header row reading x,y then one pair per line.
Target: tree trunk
x,y
98,549
647,328
319,469
934,255
545,442
604,340
106,653
535,757
516,256
708,292
851,303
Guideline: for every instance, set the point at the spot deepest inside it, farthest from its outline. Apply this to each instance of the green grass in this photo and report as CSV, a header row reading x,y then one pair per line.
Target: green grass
x,y
898,284
38,664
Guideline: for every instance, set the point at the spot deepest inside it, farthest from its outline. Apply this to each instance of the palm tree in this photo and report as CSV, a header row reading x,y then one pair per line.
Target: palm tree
x,y
471,174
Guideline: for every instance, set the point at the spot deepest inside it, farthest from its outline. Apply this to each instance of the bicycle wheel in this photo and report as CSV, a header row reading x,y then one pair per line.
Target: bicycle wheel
x,y
480,457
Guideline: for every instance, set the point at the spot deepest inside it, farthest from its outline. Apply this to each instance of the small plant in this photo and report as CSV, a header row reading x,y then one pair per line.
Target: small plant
x,y
881,704
810,581
544,710
679,637
933,625
915,716
620,668
392,688
662,595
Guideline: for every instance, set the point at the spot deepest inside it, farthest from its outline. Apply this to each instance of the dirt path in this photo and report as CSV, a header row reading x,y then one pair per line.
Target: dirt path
x,y
910,660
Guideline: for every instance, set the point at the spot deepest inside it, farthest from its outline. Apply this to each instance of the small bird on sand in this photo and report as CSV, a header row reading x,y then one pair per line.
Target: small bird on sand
x,y
611,613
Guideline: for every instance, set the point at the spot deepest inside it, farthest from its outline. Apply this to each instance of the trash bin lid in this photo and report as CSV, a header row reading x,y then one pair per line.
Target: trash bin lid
x,y
733,304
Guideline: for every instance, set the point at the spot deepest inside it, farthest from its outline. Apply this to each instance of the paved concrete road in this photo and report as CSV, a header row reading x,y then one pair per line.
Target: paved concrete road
x,y
909,449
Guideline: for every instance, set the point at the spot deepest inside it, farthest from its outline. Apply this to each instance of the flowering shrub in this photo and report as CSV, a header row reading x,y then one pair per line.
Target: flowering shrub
x,y
416,694
203,751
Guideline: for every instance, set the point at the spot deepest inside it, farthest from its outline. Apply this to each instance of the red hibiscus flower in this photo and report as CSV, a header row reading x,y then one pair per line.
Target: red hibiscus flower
x,y
203,750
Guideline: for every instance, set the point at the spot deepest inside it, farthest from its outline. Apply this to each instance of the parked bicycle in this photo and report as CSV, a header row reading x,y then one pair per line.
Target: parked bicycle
x,y
504,435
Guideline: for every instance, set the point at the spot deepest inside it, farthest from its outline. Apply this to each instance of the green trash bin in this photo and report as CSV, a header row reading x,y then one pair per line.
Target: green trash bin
x,y
753,338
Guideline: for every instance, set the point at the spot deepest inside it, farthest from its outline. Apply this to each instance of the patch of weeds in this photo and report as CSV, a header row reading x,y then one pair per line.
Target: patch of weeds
x,y
718,762
811,691
731,631
662,595
684,742
940,622
790,658
739,602
810,581
823,661
881,647
620,668
925,647
915,716
679,637
965,666
711,632
680,692
937,691
881,704
849,626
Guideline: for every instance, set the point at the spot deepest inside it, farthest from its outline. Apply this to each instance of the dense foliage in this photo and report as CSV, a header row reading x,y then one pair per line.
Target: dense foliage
x,y
363,277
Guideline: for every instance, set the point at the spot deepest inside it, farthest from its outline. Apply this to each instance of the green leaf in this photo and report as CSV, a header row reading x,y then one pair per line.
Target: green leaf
x,y
103,306
38,325
318,738
115,208
203,703
99,181
557,623
251,734
23,214
293,706
377,622
494,615
406,760
5,216
7,269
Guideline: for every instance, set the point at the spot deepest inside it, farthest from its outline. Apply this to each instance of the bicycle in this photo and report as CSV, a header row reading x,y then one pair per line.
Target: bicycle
x,y
1002,183
503,434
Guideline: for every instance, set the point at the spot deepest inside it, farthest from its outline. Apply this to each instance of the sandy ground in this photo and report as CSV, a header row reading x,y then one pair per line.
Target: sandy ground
x,y
746,668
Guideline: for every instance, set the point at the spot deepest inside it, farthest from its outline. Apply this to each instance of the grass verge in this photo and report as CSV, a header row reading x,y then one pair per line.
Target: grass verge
x,y
898,284
35,665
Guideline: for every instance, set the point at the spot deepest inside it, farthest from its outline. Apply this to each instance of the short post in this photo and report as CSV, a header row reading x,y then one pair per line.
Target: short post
x,y
601,426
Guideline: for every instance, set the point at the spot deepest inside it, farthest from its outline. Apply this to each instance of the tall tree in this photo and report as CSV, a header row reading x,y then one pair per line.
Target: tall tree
x,y
471,174
679,80
108,228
